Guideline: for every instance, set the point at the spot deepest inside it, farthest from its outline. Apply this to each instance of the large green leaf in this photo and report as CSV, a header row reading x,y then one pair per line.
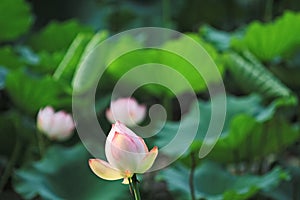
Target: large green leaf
x,y
57,36
249,105
251,130
64,173
41,62
288,189
220,39
252,75
137,58
9,59
248,139
288,75
212,182
48,62
90,64
270,40
15,19
30,93
179,66
76,53
70,60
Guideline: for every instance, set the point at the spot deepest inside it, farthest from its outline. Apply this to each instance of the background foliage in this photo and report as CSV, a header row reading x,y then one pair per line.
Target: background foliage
x,y
255,45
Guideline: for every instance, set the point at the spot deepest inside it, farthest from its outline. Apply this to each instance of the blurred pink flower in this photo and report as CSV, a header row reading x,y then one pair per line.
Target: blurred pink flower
x,y
56,126
126,153
127,111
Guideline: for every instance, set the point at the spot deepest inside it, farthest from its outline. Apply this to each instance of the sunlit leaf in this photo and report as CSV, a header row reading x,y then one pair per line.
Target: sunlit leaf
x,y
68,64
180,70
252,75
270,40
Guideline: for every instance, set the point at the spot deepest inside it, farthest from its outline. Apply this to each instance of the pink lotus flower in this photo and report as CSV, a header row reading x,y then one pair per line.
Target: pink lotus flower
x,y
127,154
127,111
56,126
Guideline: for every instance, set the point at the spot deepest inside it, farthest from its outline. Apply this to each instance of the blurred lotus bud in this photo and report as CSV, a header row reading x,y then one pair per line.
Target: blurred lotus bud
x,y
127,111
55,125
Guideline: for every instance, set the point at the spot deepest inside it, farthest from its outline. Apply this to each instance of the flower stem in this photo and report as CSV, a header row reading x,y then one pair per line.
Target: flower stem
x,y
10,165
133,183
191,178
41,143
131,187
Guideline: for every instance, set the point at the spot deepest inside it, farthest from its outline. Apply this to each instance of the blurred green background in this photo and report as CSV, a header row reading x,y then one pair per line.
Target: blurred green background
x,y
255,45
181,15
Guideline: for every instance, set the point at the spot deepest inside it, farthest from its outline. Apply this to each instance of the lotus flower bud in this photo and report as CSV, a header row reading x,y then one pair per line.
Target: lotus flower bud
x,y
127,111
56,126
127,154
